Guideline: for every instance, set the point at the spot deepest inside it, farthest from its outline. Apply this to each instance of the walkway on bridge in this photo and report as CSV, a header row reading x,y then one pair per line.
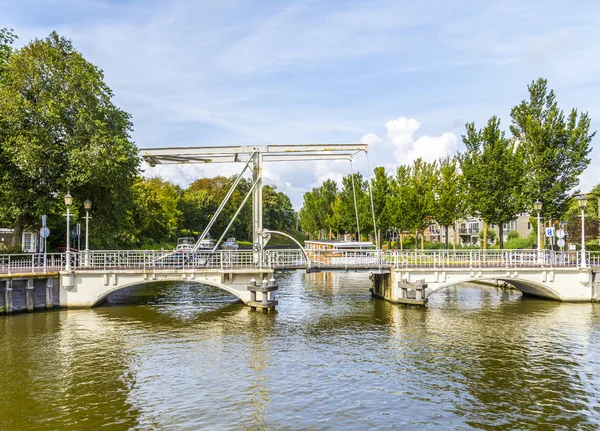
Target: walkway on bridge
x,y
286,259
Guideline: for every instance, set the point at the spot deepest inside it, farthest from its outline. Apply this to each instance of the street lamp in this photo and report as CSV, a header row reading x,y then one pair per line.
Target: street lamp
x,y
88,206
581,203
68,203
538,207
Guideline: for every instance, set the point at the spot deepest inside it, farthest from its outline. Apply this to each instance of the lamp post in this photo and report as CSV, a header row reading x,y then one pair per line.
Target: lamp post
x,y
68,203
538,207
88,206
581,203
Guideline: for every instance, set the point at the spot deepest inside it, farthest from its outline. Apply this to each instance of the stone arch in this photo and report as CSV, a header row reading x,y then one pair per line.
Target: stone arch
x,y
526,287
101,298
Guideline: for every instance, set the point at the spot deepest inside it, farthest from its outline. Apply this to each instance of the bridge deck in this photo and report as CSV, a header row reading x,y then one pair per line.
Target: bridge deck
x,y
152,260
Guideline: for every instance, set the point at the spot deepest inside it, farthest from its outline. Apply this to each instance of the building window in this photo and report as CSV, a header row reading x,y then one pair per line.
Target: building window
x,y
528,225
28,242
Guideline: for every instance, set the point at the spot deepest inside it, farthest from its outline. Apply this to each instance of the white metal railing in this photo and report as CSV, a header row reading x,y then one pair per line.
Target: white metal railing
x,y
292,259
33,263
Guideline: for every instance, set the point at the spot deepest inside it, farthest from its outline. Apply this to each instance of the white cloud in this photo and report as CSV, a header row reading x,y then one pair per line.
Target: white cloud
x,y
371,139
406,148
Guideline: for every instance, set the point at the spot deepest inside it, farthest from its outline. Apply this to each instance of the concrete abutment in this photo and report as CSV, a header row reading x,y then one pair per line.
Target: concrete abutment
x,y
28,293
414,285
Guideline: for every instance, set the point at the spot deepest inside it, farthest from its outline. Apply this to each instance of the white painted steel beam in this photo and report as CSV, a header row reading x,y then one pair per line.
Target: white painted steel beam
x,y
291,157
230,154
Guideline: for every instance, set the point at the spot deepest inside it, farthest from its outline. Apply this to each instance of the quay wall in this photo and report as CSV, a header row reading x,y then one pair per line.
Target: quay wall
x,y
22,294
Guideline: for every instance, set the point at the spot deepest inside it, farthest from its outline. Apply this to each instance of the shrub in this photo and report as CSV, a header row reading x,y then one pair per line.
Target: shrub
x,y
513,234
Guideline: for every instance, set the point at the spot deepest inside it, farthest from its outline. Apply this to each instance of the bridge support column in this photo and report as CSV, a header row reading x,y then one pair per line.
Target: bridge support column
x,y
596,287
49,297
257,226
29,295
8,297
267,290
388,287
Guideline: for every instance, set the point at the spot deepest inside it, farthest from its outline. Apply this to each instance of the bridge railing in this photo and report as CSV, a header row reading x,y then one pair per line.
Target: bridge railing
x,y
32,263
292,259
157,259
486,259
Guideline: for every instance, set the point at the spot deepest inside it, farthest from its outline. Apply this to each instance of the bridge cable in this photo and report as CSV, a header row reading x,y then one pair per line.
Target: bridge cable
x,y
355,205
372,205
223,203
236,214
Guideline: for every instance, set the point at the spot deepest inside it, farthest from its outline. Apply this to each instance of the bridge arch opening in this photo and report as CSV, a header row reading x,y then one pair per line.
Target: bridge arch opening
x,y
126,290
526,287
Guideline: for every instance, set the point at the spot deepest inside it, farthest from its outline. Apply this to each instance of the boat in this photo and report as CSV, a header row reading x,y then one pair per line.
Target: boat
x,y
230,244
185,243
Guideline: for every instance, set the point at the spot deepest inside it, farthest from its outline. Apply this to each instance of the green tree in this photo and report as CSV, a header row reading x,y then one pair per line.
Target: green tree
x,y
493,174
61,132
278,213
309,213
381,194
216,189
318,211
154,215
196,207
555,148
7,37
420,200
449,194
327,195
349,208
397,206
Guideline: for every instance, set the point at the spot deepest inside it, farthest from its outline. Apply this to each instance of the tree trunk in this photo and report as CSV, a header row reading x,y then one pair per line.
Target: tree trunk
x,y
485,230
401,236
446,235
455,235
17,231
423,240
501,235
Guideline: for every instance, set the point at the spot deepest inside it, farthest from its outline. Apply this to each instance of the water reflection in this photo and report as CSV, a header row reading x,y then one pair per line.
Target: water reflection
x,y
56,363
187,356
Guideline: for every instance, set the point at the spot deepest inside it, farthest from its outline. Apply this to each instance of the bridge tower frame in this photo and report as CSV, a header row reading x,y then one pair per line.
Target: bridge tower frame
x,y
254,156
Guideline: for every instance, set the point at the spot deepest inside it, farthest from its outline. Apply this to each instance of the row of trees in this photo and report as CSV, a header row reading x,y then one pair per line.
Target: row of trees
x,y
495,178
60,131
161,211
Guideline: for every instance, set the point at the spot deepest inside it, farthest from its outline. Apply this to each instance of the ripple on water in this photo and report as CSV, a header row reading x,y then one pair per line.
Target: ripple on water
x,y
187,356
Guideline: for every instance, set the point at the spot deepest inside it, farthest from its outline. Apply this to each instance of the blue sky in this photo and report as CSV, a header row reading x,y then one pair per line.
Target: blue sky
x,y
403,76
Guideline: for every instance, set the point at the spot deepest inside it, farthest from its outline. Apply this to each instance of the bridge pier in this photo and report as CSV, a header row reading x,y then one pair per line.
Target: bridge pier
x,y
596,286
267,290
8,297
29,295
49,295
399,291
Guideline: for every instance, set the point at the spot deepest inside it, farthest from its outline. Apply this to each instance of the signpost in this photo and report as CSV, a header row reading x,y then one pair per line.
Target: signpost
x,y
44,233
560,234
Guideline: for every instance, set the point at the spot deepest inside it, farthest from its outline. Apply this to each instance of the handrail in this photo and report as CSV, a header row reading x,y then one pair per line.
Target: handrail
x,y
36,263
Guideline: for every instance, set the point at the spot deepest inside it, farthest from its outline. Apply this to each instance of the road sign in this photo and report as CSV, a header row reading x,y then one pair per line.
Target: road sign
x,y
560,243
549,232
560,234
44,232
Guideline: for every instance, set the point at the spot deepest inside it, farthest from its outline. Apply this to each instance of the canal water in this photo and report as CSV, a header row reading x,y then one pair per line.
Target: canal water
x,y
180,356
